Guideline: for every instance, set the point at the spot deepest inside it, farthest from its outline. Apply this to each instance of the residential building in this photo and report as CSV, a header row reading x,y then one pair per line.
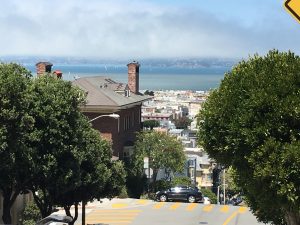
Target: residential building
x,y
199,167
106,96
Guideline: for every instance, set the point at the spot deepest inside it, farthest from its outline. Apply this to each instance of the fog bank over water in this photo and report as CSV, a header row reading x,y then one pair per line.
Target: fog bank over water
x,y
151,78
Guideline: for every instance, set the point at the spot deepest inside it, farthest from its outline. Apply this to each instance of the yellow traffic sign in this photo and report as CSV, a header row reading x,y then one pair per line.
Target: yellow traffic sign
x,y
293,7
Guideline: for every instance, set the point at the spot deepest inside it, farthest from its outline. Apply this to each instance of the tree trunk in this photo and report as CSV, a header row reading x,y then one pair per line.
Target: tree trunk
x,y
154,175
292,218
9,198
44,204
68,213
6,217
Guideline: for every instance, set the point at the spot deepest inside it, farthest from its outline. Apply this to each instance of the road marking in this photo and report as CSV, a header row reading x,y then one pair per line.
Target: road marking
x,y
112,216
108,221
159,205
142,202
119,205
239,211
224,209
191,207
175,206
118,211
207,208
243,209
230,218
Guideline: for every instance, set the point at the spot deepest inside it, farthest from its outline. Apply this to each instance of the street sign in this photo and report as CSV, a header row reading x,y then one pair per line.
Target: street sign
x,y
293,7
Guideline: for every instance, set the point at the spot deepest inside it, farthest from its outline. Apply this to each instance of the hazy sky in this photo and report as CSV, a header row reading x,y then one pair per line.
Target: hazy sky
x,y
146,28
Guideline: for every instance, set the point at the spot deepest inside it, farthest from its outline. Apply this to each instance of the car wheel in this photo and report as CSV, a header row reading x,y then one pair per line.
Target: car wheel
x,y
191,199
163,198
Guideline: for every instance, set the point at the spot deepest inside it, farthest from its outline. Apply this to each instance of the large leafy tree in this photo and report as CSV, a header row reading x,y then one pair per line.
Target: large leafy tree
x,y
252,122
164,152
15,126
71,162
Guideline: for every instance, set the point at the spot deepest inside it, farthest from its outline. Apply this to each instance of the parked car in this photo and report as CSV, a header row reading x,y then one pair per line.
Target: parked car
x,y
54,219
183,193
236,200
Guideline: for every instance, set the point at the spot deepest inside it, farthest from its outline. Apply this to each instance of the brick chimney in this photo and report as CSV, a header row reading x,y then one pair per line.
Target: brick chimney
x,y
43,67
133,76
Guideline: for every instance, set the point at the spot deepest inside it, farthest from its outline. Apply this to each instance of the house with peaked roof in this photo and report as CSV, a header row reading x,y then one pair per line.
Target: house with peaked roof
x,y
106,96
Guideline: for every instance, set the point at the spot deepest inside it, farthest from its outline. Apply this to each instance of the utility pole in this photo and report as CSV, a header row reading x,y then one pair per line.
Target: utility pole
x,y
149,177
224,184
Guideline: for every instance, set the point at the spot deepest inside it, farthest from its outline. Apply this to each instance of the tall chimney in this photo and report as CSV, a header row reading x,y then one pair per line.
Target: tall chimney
x,y
43,67
133,76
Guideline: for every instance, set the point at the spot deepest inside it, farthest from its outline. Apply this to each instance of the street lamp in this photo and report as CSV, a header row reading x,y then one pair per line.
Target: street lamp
x,y
115,116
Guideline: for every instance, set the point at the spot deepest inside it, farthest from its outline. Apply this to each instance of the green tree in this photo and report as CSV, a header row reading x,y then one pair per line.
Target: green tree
x,y
252,122
147,92
31,214
136,178
181,181
151,123
71,162
15,126
164,152
182,122
230,179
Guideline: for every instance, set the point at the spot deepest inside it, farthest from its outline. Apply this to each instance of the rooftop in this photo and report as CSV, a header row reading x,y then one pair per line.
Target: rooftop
x,y
103,92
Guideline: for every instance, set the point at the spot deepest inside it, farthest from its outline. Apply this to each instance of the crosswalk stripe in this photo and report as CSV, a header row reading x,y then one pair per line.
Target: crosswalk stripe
x,y
191,206
109,216
112,216
108,221
118,210
142,202
175,206
224,209
119,205
242,209
207,208
159,205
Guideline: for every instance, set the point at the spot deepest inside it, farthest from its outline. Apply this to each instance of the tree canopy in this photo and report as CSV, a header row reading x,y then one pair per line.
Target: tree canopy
x,y
164,152
182,122
151,124
252,122
71,162
16,124
48,146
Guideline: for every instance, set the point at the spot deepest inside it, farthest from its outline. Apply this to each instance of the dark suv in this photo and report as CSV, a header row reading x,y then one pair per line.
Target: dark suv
x,y
183,193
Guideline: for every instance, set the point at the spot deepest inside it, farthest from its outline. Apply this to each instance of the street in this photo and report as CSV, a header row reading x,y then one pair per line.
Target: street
x,y
147,212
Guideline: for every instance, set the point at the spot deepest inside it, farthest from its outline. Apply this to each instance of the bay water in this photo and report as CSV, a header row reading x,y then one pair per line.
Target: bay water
x,y
151,78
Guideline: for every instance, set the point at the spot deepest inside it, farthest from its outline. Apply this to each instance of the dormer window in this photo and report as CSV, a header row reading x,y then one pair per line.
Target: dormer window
x,y
127,93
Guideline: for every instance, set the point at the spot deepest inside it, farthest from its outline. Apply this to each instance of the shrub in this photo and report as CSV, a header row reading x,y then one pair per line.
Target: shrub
x,y
123,193
160,185
148,196
208,193
181,181
31,214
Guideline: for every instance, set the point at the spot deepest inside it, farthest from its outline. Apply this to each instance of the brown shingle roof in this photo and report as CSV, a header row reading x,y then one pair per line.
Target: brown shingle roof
x,y
104,92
